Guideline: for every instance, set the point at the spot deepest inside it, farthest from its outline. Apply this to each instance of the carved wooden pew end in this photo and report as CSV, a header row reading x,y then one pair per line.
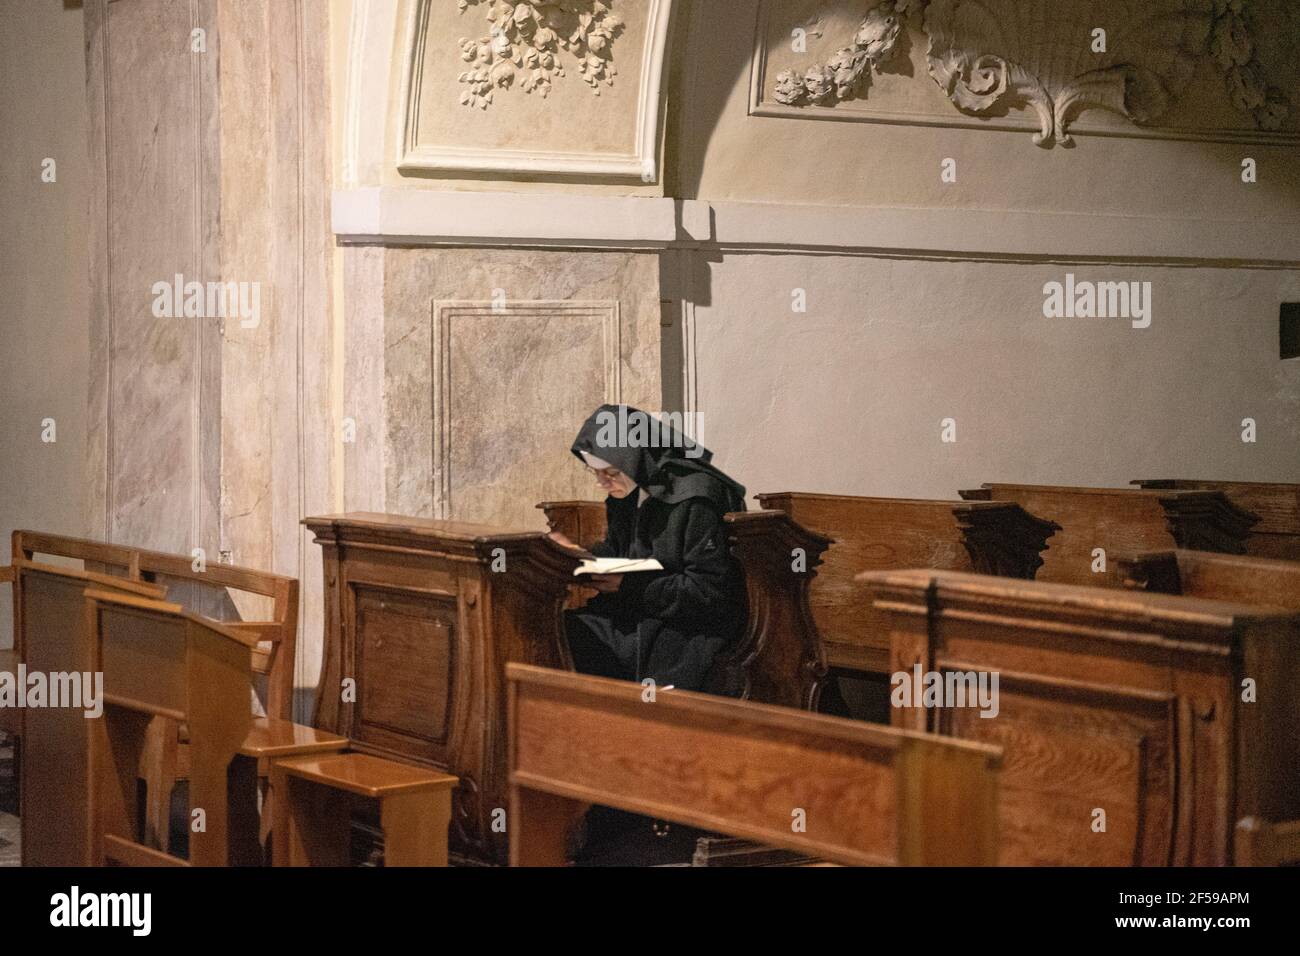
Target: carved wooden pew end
x,y
314,798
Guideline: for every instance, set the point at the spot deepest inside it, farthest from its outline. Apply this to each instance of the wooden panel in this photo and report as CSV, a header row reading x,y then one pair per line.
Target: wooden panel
x,y
1122,521
1122,701
863,794
139,664
1278,506
405,660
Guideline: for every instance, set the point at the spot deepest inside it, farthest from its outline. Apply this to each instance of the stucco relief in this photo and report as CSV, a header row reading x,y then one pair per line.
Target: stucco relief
x,y
1133,58
529,42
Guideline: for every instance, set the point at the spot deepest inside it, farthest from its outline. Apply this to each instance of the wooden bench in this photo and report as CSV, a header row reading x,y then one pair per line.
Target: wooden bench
x,y
206,592
52,637
314,809
1222,577
1122,521
1109,702
844,791
268,740
159,660
1278,506
780,658
884,533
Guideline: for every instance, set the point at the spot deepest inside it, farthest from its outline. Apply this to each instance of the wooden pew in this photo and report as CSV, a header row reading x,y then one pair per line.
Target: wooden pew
x,y
873,534
1121,521
780,658
161,661
1221,577
51,636
845,791
205,592
414,608
1278,506
1109,700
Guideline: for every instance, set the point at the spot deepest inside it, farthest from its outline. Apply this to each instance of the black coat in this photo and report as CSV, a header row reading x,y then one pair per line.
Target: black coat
x,y
665,625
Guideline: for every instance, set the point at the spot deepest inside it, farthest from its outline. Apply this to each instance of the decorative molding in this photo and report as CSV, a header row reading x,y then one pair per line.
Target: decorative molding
x,y
848,73
990,56
398,216
445,312
527,37
640,163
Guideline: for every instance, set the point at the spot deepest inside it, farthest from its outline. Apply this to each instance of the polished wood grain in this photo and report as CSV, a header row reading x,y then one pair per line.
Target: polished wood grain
x,y
1278,506
884,533
1109,700
842,790
1206,574
1122,521
418,629
314,806
51,637
161,661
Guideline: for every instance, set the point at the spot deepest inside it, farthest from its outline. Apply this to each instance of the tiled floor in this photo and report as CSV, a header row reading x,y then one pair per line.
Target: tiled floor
x,y
8,804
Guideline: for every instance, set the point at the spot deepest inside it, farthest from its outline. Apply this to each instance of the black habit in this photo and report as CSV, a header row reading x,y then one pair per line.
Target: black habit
x,y
669,625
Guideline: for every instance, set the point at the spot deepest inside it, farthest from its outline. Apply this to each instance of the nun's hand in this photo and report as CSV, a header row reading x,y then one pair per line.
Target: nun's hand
x,y
607,583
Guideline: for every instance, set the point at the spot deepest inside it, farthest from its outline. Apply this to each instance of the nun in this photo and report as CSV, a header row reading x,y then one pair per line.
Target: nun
x,y
664,500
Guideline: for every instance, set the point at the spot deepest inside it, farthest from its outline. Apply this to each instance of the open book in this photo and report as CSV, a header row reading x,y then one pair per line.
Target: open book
x,y
617,565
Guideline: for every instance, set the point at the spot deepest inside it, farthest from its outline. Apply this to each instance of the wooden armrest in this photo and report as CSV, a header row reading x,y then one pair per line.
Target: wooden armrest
x,y
6,573
365,775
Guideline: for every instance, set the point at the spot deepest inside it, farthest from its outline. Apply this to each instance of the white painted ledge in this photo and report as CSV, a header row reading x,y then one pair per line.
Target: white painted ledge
x,y
431,217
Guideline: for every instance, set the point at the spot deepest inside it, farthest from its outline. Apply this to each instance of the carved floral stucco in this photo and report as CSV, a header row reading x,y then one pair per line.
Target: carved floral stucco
x,y
525,41
991,55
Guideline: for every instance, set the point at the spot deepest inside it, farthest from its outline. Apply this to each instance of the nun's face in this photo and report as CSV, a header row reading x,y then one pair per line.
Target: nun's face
x,y
613,482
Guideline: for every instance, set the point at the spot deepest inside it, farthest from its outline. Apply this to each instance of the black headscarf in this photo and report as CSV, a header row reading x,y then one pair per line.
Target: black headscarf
x,y
667,464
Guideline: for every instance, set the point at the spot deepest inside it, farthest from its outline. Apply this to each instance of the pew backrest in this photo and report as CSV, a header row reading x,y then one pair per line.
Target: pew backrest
x,y
872,534
1098,523
1277,535
842,790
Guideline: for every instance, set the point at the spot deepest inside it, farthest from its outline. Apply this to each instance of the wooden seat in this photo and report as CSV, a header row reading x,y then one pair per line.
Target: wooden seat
x,y
1278,505
314,802
161,661
1260,843
268,739
841,790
